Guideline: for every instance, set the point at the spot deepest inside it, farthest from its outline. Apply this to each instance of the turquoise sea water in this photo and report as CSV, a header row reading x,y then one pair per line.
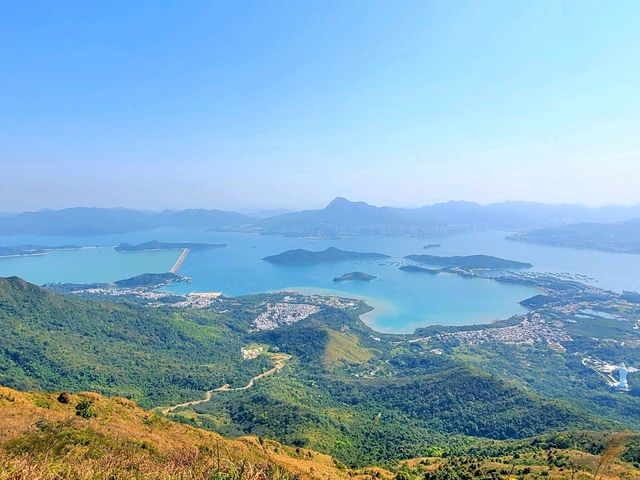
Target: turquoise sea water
x,y
88,265
402,300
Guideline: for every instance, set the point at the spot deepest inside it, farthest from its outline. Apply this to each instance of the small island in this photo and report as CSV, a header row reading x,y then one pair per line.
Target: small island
x,y
417,269
469,261
358,276
156,245
429,246
307,257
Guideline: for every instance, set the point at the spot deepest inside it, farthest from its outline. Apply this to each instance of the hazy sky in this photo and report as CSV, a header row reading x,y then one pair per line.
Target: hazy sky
x,y
288,104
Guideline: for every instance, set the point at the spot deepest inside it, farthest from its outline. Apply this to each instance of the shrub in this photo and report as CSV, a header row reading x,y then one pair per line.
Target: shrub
x,y
6,396
64,397
84,409
42,402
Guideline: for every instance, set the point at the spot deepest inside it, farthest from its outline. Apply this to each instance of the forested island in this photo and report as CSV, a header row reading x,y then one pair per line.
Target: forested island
x,y
358,276
156,245
429,246
301,256
469,261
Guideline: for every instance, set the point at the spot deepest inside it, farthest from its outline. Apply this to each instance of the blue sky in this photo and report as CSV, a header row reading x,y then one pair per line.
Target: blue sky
x,y
265,104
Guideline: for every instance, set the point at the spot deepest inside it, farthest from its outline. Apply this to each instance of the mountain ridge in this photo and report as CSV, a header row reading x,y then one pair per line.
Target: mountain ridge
x,y
339,217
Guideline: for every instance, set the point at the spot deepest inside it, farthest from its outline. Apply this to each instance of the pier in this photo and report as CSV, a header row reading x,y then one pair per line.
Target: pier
x,y
180,260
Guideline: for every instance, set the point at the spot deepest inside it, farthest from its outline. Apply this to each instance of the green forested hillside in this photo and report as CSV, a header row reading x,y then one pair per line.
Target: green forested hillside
x,y
405,412
156,356
364,397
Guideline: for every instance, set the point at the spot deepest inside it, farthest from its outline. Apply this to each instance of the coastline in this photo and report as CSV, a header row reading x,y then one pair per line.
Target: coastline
x,y
45,251
378,307
14,255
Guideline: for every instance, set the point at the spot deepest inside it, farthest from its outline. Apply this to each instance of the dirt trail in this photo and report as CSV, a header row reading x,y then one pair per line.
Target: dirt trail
x,y
280,360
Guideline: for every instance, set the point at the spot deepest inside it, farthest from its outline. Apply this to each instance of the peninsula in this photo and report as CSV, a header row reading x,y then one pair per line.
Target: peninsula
x,y
469,261
30,250
156,245
417,269
151,280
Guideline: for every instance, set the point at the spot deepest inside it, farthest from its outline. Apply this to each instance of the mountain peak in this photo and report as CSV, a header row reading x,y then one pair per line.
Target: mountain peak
x,y
338,202
341,202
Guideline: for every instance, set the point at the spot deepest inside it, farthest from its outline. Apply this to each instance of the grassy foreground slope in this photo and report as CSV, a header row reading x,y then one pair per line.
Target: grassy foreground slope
x,y
42,438
45,436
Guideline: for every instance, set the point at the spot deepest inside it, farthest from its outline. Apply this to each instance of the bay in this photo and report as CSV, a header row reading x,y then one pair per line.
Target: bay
x,y
402,300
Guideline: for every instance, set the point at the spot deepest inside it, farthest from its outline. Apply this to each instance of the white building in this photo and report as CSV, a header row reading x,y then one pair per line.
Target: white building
x,y
622,377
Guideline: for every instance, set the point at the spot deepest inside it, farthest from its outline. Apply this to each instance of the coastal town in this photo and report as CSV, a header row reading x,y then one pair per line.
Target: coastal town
x,y
280,314
532,329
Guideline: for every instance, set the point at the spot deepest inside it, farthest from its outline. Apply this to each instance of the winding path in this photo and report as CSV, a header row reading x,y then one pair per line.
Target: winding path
x,y
280,360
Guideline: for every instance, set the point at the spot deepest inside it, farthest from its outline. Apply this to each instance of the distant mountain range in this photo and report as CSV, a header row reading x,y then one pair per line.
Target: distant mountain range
x,y
83,221
623,237
340,217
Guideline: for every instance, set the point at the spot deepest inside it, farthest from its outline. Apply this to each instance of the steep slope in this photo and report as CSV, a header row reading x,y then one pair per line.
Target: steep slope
x,y
63,436
343,396
155,355
363,397
42,438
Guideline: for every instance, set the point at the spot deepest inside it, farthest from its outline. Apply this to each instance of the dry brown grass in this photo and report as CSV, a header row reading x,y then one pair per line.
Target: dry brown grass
x,y
43,439
615,446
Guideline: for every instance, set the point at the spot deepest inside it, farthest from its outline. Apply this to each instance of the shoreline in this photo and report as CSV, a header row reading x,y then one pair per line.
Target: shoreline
x,y
46,251
378,307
